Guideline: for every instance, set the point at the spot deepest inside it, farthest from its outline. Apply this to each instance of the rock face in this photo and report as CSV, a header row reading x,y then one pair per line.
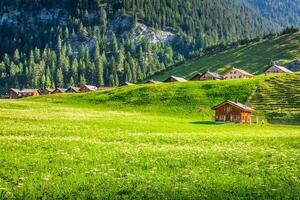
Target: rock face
x,y
123,25
25,18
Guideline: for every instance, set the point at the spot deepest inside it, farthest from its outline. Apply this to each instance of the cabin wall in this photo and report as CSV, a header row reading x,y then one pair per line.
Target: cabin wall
x,y
12,95
234,74
274,70
207,77
230,113
85,89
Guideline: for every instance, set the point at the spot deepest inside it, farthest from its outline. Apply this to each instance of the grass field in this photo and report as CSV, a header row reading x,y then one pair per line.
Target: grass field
x,y
253,58
144,142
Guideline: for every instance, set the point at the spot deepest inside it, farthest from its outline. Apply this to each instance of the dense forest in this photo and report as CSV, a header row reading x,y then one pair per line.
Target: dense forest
x,y
283,12
58,43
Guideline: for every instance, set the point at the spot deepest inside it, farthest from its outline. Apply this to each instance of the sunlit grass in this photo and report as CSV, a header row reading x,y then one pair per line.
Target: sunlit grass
x,y
101,146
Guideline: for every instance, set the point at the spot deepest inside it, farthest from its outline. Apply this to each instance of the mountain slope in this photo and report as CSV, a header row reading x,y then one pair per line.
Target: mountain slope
x,y
253,58
59,43
283,12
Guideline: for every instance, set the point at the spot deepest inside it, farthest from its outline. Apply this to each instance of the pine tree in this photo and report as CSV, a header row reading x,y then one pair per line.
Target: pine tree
x,y
59,78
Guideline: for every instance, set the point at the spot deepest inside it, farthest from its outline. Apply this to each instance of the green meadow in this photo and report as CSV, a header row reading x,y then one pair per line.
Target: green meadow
x,y
253,58
144,142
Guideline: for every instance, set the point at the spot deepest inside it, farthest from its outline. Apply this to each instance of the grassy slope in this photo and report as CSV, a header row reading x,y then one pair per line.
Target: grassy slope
x,y
183,99
139,143
278,98
253,58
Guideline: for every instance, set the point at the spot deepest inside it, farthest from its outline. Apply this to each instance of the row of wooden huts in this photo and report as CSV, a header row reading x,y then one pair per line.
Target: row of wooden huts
x,y
14,93
234,73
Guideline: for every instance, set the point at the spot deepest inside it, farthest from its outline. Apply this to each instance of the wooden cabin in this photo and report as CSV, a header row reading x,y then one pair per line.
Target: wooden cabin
x,y
13,93
105,88
174,79
233,112
277,69
73,90
235,73
29,92
46,91
206,76
88,88
127,84
59,91
153,82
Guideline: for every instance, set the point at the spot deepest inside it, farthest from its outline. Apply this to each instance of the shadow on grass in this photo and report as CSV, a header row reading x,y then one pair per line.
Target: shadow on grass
x,y
205,123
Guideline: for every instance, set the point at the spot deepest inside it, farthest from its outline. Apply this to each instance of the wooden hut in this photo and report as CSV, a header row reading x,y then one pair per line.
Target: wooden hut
x,y
127,84
88,88
233,112
153,82
277,69
206,76
73,90
235,73
174,79
29,92
13,93
46,91
59,91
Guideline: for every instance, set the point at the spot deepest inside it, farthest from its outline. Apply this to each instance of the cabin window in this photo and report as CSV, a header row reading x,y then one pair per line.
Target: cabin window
x,y
228,109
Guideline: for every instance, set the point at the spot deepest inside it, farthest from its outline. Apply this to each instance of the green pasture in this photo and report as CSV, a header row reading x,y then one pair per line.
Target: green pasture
x,y
144,142
253,58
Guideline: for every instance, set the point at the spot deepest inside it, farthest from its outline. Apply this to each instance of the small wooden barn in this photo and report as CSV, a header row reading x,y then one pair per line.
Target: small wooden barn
x,y
13,93
174,79
277,69
206,76
153,82
88,88
29,92
235,73
46,91
233,112
59,91
73,90
127,84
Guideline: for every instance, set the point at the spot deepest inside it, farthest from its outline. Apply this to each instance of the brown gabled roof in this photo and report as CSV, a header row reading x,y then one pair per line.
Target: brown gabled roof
x,y
29,91
179,79
75,89
282,68
17,91
62,90
213,74
127,84
90,87
153,82
236,104
47,89
242,71
197,75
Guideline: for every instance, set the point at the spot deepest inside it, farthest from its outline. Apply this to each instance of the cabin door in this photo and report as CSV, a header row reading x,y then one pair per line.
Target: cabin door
x,y
228,118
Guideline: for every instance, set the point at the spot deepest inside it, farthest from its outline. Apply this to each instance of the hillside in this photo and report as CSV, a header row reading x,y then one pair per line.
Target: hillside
x,y
253,58
274,98
284,12
59,43
183,99
278,98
